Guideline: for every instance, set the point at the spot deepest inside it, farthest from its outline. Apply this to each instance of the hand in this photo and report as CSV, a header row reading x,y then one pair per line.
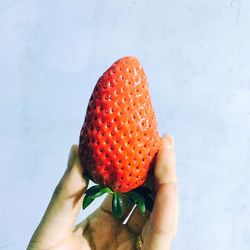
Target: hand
x,y
57,230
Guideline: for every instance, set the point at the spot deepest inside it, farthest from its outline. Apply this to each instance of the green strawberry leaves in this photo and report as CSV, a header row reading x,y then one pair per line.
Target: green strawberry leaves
x,y
147,194
97,191
87,201
94,192
138,200
117,205
141,196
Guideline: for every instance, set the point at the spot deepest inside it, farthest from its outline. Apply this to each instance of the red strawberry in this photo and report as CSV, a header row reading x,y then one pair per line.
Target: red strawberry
x,y
119,138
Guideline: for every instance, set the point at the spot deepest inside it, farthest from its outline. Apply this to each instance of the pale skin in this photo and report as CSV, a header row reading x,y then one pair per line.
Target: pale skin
x,y
57,230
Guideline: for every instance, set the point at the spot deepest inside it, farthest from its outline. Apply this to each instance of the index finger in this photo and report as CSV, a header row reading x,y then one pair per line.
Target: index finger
x,y
164,217
165,169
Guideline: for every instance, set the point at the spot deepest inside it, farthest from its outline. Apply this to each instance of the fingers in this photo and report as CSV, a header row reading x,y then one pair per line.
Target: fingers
x,y
163,221
165,168
67,198
164,218
165,211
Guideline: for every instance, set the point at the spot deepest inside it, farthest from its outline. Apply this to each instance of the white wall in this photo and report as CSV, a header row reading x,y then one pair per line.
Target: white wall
x,y
196,54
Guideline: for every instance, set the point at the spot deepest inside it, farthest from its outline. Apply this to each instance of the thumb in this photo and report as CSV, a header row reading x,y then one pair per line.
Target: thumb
x,y
164,217
66,201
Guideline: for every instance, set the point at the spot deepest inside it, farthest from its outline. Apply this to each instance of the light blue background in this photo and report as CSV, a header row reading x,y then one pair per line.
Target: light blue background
x,y
197,57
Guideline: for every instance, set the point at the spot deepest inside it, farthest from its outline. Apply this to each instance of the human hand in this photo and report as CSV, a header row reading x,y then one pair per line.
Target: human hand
x,y
57,230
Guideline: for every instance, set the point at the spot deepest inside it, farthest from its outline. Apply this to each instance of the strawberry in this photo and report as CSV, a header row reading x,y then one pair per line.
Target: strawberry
x,y
119,138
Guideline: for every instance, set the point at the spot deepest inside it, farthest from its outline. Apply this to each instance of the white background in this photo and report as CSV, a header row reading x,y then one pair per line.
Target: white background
x,y
197,58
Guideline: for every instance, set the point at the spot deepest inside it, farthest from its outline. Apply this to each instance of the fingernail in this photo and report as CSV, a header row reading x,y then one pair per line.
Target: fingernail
x,y
169,142
70,158
165,135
